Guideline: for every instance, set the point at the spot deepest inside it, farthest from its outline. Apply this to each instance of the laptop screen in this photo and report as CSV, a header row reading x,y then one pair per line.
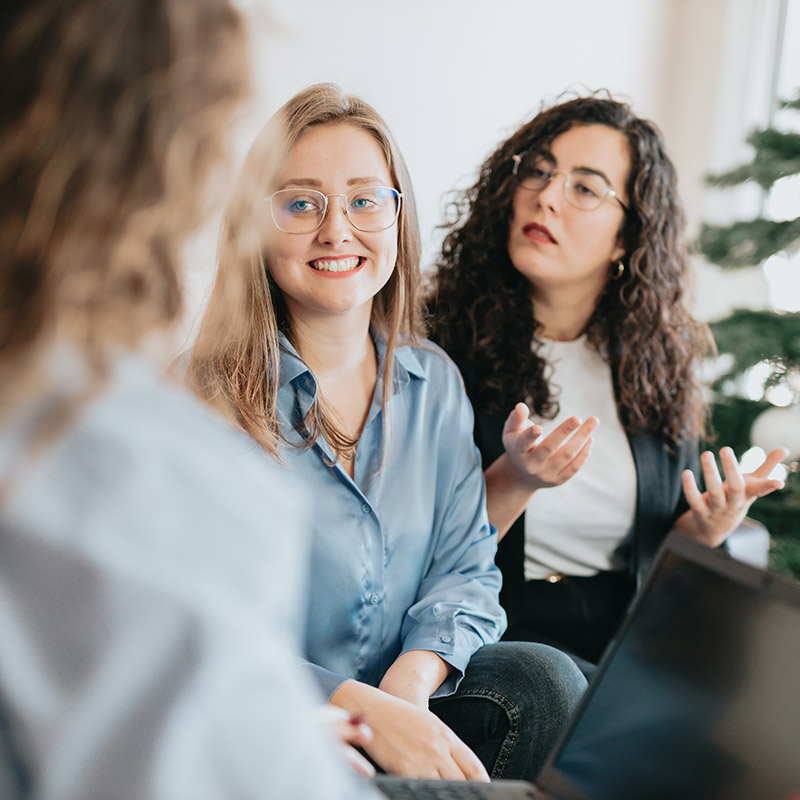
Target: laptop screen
x,y
699,697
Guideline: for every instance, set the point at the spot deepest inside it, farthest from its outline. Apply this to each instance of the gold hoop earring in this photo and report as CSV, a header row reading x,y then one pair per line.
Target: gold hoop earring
x,y
620,270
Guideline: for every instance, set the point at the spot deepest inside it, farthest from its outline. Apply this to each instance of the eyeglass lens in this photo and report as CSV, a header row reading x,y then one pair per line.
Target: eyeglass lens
x,y
369,208
582,188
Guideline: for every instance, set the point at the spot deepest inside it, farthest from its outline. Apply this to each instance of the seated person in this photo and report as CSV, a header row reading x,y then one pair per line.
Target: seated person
x,y
561,284
326,369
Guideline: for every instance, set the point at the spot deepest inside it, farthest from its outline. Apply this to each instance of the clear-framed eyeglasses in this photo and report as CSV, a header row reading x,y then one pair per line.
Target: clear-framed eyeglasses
x,y
369,208
583,188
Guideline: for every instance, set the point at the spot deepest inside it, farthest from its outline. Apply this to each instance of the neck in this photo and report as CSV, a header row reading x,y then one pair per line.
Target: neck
x,y
339,351
564,312
333,345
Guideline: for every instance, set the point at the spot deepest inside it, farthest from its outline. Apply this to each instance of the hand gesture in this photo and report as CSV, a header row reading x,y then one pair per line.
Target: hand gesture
x,y
550,461
717,512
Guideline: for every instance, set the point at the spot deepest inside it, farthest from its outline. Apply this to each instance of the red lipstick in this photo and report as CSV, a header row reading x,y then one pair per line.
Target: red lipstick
x,y
538,233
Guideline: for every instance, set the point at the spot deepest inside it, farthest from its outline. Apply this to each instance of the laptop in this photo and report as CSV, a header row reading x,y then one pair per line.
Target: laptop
x,y
698,696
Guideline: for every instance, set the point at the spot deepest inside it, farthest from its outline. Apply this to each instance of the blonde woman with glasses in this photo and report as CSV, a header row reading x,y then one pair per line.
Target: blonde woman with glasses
x,y
326,368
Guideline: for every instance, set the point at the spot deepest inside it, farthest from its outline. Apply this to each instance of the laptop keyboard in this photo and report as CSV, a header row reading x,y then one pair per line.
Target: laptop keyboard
x,y
408,789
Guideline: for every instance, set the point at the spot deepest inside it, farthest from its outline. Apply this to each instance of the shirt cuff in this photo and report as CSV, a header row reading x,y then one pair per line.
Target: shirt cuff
x,y
452,644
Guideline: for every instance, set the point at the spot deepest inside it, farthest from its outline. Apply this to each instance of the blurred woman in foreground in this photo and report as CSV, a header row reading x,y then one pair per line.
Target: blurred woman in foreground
x,y
137,531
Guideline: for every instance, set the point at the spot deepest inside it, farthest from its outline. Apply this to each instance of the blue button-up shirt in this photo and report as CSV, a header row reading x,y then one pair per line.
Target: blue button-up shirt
x,y
403,552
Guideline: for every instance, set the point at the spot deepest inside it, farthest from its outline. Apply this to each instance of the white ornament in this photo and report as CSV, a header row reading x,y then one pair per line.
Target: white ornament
x,y
778,427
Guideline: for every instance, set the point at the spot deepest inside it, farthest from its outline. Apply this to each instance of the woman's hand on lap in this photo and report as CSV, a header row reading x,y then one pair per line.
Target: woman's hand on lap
x,y
714,514
408,740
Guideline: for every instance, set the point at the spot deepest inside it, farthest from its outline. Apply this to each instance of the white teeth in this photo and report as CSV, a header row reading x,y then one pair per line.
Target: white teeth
x,y
336,265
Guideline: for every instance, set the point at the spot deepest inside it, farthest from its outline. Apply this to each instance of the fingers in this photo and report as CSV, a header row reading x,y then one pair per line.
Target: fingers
x,y
351,732
469,764
693,496
519,431
758,483
733,476
357,762
527,437
358,733
774,457
558,436
516,419
746,488
541,462
715,491
760,487
579,439
723,506
449,770
574,464
566,443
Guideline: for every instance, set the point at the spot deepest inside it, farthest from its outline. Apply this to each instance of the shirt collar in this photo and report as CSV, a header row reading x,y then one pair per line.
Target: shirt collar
x,y
406,360
291,365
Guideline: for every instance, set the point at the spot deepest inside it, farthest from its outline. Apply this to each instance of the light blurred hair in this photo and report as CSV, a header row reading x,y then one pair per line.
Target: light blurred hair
x,y
236,357
113,116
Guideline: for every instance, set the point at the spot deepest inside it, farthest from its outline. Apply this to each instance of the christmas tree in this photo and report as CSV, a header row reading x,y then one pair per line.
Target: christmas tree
x,y
761,348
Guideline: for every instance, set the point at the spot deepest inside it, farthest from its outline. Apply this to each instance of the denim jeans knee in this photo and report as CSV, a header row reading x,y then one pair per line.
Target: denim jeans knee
x,y
512,704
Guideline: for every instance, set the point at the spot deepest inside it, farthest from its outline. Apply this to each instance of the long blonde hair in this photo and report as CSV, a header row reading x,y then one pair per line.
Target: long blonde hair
x,y
236,357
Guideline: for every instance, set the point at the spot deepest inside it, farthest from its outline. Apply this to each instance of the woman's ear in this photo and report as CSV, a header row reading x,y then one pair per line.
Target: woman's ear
x,y
618,253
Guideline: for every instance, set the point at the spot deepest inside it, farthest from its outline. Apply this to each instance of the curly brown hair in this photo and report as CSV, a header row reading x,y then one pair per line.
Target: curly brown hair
x,y
480,306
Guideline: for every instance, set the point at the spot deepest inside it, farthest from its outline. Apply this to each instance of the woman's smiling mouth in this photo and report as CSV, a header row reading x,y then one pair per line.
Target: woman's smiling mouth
x,y
342,264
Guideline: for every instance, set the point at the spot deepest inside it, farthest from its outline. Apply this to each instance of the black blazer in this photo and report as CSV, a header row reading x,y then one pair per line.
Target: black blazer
x,y
659,497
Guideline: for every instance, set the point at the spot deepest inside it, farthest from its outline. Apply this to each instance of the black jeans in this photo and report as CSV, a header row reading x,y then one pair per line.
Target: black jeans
x,y
576,614
512,704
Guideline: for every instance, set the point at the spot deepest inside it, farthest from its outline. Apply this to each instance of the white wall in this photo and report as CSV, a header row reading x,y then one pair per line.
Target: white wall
x,y
454,77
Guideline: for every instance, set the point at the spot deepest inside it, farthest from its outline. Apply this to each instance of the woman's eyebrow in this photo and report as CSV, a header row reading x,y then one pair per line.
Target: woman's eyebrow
x,y
310,182
553,160
313,183
372,180
594,171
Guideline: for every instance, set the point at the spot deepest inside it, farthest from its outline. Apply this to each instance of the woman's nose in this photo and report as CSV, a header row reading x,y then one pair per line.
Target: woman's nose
x,y
552,194
336,227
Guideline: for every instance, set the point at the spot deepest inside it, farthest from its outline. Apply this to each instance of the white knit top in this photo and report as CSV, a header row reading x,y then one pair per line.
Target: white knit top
x,y
577,528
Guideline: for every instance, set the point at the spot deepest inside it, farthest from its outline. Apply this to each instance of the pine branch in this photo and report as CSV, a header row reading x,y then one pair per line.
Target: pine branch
x,y
747,244
755,336
794,104
777,156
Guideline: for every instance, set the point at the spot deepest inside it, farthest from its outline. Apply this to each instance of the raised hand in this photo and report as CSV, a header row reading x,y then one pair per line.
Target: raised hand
x,y
541,462
715,513
532,461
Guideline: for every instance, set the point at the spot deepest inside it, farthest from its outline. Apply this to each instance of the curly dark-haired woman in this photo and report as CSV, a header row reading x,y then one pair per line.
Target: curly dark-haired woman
x,y
561,284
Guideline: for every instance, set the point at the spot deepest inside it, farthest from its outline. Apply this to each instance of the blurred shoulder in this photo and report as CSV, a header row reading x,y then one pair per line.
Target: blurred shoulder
x,y
139,454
